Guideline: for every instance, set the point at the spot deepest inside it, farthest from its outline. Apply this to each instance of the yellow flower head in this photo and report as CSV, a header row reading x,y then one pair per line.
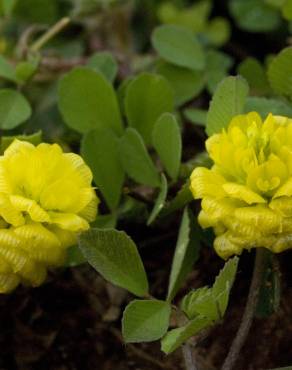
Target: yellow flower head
x,y
46,198
247,194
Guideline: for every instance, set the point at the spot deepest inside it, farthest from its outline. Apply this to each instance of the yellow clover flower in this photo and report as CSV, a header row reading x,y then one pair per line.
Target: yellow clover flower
x,y
46,198
247,194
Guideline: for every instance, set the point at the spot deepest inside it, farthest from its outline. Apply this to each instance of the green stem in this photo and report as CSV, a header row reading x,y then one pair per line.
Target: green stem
x,y
249,311
53,31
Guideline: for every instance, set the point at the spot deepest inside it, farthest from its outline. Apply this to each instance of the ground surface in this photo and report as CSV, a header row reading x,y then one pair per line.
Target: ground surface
x,y
73,322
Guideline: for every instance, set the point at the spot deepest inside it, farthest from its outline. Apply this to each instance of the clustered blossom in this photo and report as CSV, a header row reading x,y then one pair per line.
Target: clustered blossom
x,y
247,194
46,198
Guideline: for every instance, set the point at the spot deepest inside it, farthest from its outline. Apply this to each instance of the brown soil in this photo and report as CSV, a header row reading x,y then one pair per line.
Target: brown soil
x,y
73,322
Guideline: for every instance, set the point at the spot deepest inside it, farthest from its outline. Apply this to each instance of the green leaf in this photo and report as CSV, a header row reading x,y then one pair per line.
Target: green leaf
x,y
194,297
160,201
218,31
179,46
193,17
275,3
176,337
114,255
265,106
166,139
186,253
280,73
105,63
201,302
196,116
74,257
108,221
186,84
136,160
217,66
228,101
8,6
182,198
254,15
121,93
87,101
25,70
36,11
7,71
212,302
147,97
100,151
287,10
255,74
35,139
145,321
226,275
14,109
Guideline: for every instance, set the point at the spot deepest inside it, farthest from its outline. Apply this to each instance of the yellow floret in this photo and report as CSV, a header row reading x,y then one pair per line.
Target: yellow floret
x,y
247,194
46,199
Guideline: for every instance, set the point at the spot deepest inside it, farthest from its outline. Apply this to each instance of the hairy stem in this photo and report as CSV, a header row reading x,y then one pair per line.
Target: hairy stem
x,y
249,311
188,357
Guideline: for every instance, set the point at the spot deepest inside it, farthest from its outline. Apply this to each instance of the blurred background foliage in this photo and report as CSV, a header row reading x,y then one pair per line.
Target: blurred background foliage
x,y
190,46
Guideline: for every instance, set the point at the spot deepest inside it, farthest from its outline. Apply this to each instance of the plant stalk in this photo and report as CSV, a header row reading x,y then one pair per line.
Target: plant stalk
x,y
188,357
249,311
53,31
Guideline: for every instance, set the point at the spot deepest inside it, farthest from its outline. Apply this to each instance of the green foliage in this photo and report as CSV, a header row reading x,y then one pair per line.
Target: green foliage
x,y
212,302
25,70
160,200
35,11
179,46
227,102
104,63
182,198
74,257
279,71
217,66
145,321
254,15
218,31
196,116
99,148
265,106
137,110
87,101
6,70
255,74
114,255
186,253
8,6
14,109
287,10
135,159
186,83
147,97
35,139
176,337
203,307
166,138
194,17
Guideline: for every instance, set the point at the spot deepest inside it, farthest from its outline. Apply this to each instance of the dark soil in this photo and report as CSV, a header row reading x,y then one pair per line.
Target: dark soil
x,y
73,322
